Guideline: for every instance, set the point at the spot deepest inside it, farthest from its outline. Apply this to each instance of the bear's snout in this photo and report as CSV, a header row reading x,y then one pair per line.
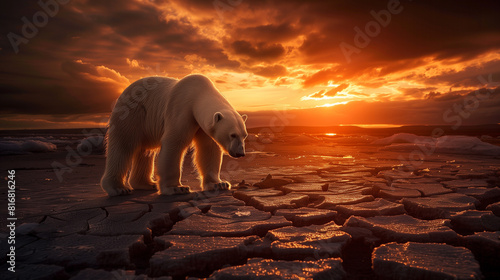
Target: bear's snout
x,y
240,154
237,149
237,155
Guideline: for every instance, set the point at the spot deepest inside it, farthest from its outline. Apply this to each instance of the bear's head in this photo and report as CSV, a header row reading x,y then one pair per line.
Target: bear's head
x,y
229,131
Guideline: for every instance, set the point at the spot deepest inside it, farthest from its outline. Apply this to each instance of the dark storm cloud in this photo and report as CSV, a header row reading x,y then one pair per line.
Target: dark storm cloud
x,y
471,76
417,92
145,25
88,89
100,33
258,52
445,29
269,32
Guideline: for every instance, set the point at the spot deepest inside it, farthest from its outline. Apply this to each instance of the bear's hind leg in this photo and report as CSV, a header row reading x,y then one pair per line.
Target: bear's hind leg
x,y
170,158
208,160
118,162
142,171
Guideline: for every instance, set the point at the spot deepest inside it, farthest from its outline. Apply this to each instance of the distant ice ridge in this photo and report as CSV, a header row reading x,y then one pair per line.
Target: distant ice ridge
x,y
18,147
31,144
49,139
42,144
92,144
445,144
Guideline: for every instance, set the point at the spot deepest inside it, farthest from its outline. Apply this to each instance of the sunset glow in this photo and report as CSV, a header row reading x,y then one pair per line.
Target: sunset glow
x,y
263,56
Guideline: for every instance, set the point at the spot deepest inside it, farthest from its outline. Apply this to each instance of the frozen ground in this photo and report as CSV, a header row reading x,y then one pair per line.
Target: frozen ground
x,y
332,207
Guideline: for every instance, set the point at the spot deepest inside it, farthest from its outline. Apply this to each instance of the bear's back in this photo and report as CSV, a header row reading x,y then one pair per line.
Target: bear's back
x,y
149,87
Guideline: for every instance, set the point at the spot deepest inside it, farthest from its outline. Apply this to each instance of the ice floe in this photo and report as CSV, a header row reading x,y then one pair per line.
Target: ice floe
x,y
473,220
187,255
307,216
495,208
404,228
292,243
424,189
424,261
270,182
439,206
302,187
270,269
378,207
398,193
484,195
247,194
330,201
77,251
272,203
486,246
468,183
233,221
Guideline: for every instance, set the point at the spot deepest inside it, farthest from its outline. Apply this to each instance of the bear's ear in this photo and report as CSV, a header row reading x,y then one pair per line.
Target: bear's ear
x,y
244,117
217,117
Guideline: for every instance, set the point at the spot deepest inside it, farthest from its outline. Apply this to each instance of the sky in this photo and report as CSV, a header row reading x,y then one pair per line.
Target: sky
x,y
64,63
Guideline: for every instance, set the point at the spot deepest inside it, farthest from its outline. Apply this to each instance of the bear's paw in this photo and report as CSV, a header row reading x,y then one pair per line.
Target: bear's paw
x,y
222,186
115,187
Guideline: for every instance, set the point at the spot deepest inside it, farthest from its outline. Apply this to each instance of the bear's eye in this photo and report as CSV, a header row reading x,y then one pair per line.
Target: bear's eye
x,y
233,136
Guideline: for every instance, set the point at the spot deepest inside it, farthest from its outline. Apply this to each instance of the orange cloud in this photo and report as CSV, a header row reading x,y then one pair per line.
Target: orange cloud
x,y
326,94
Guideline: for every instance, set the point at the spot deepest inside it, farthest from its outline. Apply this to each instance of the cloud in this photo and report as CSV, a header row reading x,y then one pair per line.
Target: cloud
x,y
258,52
317,95
87,72
326,94
272,71
322,76
335,90
445,111
80,61
273,32
417,92
86,88
134,64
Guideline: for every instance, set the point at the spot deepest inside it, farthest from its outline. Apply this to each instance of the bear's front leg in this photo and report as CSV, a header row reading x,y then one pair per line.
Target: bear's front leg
x,y
208,160
169,166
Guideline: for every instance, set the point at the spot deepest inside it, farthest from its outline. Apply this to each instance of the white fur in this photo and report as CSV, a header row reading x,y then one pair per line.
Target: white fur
x,y
172,114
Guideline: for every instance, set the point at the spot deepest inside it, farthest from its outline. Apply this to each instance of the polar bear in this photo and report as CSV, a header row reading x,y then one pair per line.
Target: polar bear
x,y
169,115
